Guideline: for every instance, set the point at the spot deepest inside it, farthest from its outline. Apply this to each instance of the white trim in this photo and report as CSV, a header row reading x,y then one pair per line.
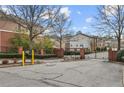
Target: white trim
x,y
2,30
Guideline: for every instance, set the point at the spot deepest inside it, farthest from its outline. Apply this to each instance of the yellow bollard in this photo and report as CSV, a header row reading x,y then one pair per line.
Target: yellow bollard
x,y
32,57
23,58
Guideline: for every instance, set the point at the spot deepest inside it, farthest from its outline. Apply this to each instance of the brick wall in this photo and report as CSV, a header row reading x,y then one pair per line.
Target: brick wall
x,y
112,55
8,25
5,40
7,31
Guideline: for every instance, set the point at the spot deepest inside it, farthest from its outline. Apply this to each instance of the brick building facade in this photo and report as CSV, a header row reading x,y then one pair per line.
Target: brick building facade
x,y
5,37
7,31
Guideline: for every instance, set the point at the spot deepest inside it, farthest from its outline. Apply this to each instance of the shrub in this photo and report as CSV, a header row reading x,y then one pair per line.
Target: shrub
x,y
16,55
97,49
120,55
101,49
12,50
105,48
87,51
10,55
71,53
38,56
48,50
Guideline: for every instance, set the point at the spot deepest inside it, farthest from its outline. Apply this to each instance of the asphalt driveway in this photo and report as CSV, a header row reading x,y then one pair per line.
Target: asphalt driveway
x,y
85,73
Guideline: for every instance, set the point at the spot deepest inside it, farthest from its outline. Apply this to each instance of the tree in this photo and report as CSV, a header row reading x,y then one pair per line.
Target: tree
x,y
110,19
61,24
35,18
46,43
19,39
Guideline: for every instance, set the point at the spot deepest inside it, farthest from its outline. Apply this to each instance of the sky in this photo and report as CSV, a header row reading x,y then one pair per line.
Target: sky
x,y
82,17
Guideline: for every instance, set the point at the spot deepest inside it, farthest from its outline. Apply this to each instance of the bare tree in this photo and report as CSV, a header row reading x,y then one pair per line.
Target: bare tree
x,y
35,18
111,20
61,26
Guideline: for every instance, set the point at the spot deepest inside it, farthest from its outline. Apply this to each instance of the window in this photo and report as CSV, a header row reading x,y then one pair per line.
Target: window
x,y
81,45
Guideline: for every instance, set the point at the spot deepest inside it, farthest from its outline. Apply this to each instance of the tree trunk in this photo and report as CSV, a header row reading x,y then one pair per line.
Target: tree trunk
x,y
31,44
31,41
119,43
60,43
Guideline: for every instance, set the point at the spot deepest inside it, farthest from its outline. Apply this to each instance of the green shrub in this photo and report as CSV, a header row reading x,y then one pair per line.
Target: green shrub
x,y
120,55
10,55
13,50
48,51
71,53
76,52
87,51
38,56
16,55
101,49
105,48
97,49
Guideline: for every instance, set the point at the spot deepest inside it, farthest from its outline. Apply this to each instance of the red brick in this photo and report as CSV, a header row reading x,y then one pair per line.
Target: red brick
x,y
5,40
82,53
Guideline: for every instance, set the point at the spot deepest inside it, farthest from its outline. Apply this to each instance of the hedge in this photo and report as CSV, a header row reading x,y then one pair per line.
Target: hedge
x,y
75,52
37,56
10,55
71,53
120,56
101,49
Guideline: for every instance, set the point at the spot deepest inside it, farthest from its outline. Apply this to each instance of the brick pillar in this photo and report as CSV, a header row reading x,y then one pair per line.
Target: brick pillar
x,y
20,49
112,55
82,53
59,52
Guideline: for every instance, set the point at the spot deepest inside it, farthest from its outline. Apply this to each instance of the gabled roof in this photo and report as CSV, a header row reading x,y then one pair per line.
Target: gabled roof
x,y
14,19
84,35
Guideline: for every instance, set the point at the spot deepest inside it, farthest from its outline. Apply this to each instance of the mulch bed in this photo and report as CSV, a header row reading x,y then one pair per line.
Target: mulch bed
x,y
121,63
18,64
115,62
